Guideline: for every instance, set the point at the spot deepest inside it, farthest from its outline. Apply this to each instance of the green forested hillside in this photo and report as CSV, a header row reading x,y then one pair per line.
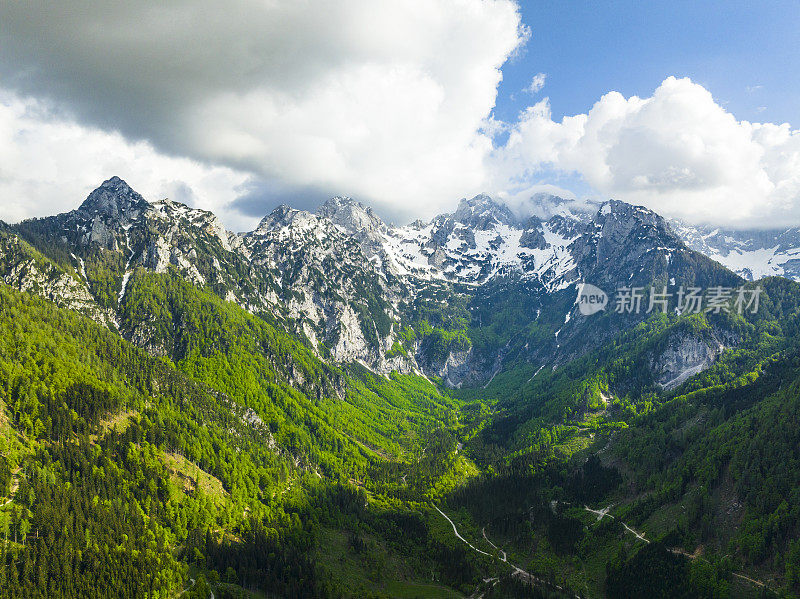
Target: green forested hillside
x,y
126,474
214,451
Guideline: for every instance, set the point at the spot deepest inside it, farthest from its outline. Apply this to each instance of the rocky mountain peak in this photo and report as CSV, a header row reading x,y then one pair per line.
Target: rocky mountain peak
x,y
619,234
621,212
115,200
482,212
351,215
617,221
751,253
279,217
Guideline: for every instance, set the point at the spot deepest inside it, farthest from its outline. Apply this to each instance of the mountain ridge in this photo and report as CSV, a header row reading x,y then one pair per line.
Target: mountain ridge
x,y
361,290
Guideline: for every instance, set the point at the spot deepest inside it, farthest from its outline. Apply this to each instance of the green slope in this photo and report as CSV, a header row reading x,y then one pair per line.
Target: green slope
x,y
132,468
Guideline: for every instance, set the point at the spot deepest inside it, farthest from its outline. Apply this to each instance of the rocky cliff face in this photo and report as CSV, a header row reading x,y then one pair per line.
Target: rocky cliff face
x,y
27,270
328,283
683,358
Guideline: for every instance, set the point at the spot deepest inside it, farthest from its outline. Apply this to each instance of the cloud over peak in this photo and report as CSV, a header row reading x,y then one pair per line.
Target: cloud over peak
x,y
678,152
240,106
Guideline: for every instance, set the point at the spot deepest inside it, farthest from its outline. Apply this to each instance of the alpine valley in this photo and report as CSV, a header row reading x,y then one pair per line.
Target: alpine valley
x,y
332,406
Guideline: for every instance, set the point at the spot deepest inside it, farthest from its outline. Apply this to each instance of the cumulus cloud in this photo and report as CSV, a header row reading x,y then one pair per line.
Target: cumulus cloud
x,y
678,152
536,84
382,100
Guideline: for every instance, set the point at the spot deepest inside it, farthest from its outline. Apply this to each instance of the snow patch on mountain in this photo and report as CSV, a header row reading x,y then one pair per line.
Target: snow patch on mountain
x,y
480,241
753,254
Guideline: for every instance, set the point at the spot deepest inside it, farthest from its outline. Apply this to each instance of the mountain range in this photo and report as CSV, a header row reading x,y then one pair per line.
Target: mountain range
x,y
350,284
311,399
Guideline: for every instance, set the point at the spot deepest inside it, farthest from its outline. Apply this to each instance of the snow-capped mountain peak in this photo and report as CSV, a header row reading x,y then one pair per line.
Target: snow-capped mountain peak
x,y
285,217
483,239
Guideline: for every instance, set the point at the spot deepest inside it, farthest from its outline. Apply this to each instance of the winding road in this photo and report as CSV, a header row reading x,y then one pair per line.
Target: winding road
x,y
458,536
516,570
192,580
604,512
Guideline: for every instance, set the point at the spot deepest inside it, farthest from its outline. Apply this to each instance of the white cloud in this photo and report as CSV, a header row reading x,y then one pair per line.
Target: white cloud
x,y
49,165
677,152
382,100
536,84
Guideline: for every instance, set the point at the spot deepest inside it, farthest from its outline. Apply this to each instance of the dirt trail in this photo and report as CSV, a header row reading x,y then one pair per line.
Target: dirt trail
x,y
696,555
502,559
458,535
604,513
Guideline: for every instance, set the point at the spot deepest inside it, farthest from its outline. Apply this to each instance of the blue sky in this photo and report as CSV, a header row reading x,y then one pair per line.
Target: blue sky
x,y
407,106
746,53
